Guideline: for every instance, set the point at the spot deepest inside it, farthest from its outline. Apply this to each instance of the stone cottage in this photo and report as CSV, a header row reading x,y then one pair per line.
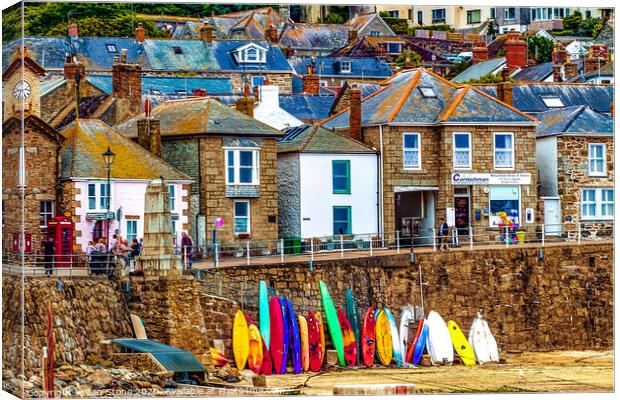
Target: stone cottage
x,y
446,151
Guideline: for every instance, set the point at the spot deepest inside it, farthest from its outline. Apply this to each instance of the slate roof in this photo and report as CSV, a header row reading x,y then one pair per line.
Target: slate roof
x,y
200,116
195,55
535,73
316,139
88,106
365,67
478,70
361,21
528,97
274,59
402,101
574,120
50,52
302,106
315,37
169,84
132,161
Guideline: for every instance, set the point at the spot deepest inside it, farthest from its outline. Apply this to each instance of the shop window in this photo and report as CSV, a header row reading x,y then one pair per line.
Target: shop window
x,y
341,176
242,167
411,151
46,212
342,220
596,159
504,199
462,150
242,217
597,204
503,150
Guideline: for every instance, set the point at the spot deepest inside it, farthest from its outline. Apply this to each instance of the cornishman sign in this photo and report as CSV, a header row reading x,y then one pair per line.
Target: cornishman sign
x,y
491,179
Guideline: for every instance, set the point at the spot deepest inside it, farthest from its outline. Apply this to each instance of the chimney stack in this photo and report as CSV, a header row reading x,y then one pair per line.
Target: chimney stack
x,y
149,135
504,92
355,113
570,70
515,50
271,34
311,80
139,32
246,103
559,55
289,52
127,82
352,35
480,52
557,73
206,32
73,31
72,67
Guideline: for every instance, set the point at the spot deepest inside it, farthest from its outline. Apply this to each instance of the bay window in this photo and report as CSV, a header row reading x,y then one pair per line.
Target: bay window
x,y
597,203
411,151
503,150
462,150
242,167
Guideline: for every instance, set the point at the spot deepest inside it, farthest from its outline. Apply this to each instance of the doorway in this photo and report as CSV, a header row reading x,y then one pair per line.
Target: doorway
x,y
462,210
553,216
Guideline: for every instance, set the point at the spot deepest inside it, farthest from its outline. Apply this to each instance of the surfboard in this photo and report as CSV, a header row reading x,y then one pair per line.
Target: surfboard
x,y
406,315
396,348
438,342
332,322
286,325
277,334
240,340
315,349
348,339
255,353
319,320
295,340
420,343
462,347
303,340
482,341
263,312
410,350
383,338
217,357
354,319
138,327
266,367
368,338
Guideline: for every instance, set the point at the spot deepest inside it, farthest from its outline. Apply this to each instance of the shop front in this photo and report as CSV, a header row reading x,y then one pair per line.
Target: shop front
x,y
415,213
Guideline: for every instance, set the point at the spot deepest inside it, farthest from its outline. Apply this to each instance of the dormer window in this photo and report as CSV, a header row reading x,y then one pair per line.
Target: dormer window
x,y
345,67
177,50
394,48
552,101
111,48
250,53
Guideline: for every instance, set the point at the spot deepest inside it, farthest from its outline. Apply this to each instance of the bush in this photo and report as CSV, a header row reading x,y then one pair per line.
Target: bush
x,y
457,69
572,22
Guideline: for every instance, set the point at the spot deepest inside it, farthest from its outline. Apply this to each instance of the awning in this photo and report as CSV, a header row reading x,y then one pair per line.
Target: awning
x,y
401,189
171,358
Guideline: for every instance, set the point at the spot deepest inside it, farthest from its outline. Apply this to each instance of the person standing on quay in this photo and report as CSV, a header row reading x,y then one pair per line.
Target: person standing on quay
x,y
49,251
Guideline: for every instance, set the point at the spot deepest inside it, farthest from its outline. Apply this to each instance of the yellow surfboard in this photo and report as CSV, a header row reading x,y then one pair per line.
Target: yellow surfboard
x,y
240,340
305,347
461,345
383,338
319,318
255,353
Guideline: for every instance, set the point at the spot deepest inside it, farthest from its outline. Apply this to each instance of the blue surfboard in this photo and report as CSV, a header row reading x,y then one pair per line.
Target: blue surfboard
x,y
295,340
285,328
420,342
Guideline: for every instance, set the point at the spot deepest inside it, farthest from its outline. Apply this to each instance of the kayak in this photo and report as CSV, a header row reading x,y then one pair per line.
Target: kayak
x,y
279,338
398,357
295,340
420,343
255,353
368,338
319,320
383,338
303,340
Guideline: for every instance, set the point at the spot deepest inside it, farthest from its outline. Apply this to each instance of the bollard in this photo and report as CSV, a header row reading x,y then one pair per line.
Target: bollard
x,y
398,242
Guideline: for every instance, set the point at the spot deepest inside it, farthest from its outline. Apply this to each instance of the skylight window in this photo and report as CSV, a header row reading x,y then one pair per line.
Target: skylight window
x,y
428,92
177,50
552,101
111,48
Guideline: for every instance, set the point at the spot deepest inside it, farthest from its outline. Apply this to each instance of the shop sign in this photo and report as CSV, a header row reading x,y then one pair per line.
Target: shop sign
x,y
491,179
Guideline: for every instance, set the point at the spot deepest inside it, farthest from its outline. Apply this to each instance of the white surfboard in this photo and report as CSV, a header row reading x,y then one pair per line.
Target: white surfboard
x,y
406,316
483,342
438,341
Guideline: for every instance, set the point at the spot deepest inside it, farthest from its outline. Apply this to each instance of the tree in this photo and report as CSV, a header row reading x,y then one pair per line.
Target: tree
x,y
492,28
539,48
596,29
457,69
398,25
571,22
488,78
333,18
409,57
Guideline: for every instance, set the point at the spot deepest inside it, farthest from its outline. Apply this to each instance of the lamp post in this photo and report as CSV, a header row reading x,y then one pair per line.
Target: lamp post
x,y
108,158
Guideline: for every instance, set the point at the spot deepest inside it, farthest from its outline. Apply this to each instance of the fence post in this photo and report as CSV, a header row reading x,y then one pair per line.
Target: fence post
x,y
398,242
247,251
341,247
578,232
434,241
216,256
543,235
371,245
281,251
507,237
471,238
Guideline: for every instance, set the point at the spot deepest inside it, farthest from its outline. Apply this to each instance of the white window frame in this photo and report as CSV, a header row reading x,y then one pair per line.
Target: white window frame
x,y
236,165
419,150
248,217
591,158
173,196
507,13
455,149
552,101
598,204
111,48
49,214
243,55
512,150
346,70
98,195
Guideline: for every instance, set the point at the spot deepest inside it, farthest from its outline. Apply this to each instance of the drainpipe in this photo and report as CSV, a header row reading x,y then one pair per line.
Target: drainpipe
x,y
381,217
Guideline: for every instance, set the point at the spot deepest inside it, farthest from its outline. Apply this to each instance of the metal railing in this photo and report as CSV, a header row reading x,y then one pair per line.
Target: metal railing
x,y
96,264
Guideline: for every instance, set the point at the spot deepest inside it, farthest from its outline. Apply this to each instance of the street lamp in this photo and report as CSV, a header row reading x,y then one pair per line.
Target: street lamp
x,y
108,158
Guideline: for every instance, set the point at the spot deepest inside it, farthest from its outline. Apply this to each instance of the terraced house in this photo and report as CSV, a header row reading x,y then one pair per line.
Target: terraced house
x,y
446,151
231,158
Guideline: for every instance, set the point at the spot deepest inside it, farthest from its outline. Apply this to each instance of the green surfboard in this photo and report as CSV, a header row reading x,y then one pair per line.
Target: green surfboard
x,y
354,319
263,312
332,322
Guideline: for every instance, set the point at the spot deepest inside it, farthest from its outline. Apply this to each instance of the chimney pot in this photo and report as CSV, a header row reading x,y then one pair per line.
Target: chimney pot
x,y
206,32
73,30
355,113
139,33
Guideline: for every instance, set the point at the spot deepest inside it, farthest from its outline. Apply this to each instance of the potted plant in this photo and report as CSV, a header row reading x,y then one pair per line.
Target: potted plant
x,y
330,243
521,235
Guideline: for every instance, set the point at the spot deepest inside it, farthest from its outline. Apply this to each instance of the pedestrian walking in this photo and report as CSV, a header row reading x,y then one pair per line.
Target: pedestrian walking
x,y
186,250
49,251
443,235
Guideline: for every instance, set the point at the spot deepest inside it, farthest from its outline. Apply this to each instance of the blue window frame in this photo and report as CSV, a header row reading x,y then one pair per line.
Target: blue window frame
x,y
132,230
341,176
342,220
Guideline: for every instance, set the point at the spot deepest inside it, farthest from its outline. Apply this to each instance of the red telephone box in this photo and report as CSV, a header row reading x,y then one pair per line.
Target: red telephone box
x,y
61,230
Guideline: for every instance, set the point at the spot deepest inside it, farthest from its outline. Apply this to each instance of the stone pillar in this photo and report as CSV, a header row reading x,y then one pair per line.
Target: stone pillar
x,y
158,256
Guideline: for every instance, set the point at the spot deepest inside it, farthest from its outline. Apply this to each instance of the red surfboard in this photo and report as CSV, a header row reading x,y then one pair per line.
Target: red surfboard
x,y
266,367
368,337
314,343
348,339
276,334
411,348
